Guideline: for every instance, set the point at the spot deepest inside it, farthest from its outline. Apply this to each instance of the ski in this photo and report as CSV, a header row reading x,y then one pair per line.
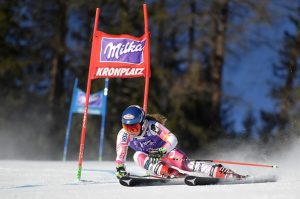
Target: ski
x,y
131,181
196,180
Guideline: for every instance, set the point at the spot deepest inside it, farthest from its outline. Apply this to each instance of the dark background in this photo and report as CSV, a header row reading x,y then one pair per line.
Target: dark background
x,y
223,71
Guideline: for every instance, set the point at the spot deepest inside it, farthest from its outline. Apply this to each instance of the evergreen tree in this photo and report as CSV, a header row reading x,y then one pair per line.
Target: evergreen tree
x,y
286,93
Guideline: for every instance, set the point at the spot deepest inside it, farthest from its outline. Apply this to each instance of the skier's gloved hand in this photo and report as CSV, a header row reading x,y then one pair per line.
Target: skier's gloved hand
x,y
121,171
155,155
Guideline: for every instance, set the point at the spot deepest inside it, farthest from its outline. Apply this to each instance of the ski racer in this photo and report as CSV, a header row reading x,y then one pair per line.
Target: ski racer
x,y
156,150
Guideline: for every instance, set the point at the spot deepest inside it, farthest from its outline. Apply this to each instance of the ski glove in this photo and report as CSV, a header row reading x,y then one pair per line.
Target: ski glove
x,y
155,155
121,172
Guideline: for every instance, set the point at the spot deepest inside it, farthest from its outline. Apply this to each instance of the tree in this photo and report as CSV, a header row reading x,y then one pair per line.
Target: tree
x,y
287,91
10,51
219,22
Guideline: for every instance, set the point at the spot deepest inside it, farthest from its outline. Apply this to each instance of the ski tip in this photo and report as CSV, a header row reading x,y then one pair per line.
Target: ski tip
x,y
190,180
131,181
125,181
275,166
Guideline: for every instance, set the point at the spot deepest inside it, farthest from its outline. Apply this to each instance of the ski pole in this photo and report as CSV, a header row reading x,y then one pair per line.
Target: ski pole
x,y
231,162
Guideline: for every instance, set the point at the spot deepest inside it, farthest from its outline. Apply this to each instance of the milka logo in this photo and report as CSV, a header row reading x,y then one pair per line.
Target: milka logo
x,y
122,50
115,51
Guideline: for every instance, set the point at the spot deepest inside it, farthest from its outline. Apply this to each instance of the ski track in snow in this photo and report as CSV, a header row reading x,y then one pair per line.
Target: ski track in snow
x,y
56,179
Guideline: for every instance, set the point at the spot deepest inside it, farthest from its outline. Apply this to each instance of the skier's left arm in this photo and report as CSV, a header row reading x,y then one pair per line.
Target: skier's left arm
x,y
167,136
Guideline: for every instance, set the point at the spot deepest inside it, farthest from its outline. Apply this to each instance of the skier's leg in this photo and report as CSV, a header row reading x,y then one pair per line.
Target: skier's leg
x,y
177,158
217,170
159,168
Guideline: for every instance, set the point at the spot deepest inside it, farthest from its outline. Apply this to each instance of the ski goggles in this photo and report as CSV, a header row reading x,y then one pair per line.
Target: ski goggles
x,y
133,129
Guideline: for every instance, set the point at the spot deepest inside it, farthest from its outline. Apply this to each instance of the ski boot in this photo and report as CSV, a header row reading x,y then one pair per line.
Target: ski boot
x,y
219,171
165,171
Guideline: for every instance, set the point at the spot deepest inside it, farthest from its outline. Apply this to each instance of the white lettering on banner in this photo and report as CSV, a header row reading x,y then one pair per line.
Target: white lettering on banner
x,y
118,72
115,51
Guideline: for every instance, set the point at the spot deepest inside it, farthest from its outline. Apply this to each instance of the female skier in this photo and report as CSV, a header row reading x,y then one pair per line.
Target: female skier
x,y
156,150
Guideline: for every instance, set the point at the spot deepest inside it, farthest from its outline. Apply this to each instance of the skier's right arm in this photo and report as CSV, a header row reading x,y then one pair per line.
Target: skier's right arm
x,y
122,142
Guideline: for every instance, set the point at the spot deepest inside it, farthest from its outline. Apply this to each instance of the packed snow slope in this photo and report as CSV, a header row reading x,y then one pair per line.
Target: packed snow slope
x,y
50,179
57,179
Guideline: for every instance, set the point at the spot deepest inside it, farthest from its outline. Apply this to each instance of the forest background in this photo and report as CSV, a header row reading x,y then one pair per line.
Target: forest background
x,y
224,72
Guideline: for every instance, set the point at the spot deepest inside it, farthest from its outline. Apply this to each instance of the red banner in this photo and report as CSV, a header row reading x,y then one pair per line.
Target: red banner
x,y
118,56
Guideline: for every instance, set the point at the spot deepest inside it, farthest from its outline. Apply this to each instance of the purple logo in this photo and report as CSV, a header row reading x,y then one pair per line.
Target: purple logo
x,y
122,50
95,99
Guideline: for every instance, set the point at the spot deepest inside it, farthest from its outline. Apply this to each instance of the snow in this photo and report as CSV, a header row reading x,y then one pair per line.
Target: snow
x,y
57,179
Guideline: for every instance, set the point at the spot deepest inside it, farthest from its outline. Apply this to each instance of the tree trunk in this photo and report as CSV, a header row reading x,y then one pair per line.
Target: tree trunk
x,y
58,65
192,33
287,91
219,20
